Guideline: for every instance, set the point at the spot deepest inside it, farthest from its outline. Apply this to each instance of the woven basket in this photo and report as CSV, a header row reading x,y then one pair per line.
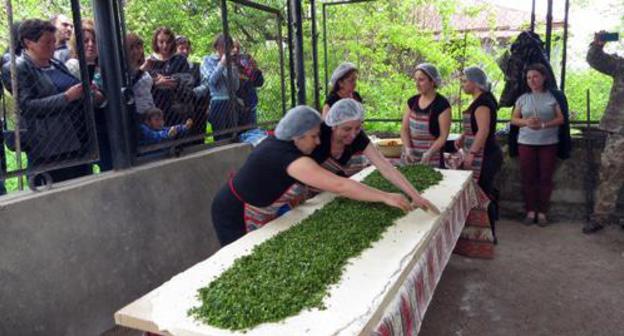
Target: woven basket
x,y
391,148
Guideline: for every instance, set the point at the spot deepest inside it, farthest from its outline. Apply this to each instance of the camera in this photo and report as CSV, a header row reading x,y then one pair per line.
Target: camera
x,y
608,37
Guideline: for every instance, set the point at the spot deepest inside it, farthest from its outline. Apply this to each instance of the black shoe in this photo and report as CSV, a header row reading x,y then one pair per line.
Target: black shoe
x,y
592,227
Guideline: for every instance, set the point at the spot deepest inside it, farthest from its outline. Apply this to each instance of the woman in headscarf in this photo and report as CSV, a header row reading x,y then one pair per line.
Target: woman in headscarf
x,y
427,120
343,138
484,157
343,85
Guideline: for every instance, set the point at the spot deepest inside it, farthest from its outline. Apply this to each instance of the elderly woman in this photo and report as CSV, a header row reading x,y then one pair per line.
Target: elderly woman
x,y
170,72
95,77
538,115
343,84
483,157
342,137
269,178
224,107
427,120
50,99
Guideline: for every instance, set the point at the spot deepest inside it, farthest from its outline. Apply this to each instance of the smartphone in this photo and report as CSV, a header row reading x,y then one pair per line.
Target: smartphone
x,y
608,37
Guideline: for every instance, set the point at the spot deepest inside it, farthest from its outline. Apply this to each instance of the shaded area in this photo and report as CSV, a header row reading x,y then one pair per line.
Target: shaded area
x,y
543,281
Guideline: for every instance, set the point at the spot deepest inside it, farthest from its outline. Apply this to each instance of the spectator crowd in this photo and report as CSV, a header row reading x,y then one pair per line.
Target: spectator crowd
x,y
174,98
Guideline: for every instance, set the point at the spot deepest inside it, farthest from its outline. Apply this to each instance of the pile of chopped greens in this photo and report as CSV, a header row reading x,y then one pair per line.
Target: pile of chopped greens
x,y
294,270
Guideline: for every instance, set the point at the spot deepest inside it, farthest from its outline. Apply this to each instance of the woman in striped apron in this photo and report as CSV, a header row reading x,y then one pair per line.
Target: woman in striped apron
x,y
427,120
484,157
342,138
266,180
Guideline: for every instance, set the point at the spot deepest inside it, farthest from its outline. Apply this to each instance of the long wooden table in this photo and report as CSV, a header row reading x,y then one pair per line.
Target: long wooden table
x,y
384,291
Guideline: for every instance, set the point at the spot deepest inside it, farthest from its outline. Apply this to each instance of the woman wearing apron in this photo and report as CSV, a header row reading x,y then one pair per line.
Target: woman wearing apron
x,y
484,157
252,197
343,85
342,137
427,120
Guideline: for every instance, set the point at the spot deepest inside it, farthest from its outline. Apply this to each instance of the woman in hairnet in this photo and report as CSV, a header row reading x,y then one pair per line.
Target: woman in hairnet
x,y
484,157
343,83
342,138
271,175
427,120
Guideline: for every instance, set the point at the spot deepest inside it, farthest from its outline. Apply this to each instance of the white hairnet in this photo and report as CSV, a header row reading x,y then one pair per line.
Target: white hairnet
x,y
341,71
431,71
344,110
296,122
476,75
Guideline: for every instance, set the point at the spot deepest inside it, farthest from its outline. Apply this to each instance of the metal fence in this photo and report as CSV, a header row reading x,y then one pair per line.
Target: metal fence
x,y
162,85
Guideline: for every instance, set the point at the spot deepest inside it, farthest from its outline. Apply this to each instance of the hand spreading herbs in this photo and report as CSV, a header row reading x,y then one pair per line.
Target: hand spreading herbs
x,y
294,270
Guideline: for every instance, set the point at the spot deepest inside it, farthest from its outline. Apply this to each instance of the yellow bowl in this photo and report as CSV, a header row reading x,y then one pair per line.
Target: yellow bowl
x,y
390,147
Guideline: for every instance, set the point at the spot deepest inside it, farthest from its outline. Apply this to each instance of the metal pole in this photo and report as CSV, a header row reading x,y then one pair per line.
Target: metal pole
x,y
84,76
299,56
325,84
564,59
549,20
291,54
228,59
533,16
588,109
280,43
118,112
15,89
315,55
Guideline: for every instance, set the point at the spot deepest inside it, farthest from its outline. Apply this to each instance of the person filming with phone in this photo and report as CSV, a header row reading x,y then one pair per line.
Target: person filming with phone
x,y
611,177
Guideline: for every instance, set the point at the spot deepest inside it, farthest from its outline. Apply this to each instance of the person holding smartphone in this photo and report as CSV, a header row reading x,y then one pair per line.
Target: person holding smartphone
x,y
611,177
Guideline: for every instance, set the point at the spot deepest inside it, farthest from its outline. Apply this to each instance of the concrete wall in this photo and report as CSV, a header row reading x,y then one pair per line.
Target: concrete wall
x,y
71,257
573,179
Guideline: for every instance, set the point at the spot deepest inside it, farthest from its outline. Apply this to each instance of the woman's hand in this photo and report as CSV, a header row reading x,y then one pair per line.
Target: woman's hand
x,y
468,160
459,143
407,157
165,82
534,123
425,204
398,201
74,93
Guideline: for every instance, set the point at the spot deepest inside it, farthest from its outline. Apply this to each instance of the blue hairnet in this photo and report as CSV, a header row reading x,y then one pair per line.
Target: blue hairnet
x,y
296,122
344,110
431,71
476,75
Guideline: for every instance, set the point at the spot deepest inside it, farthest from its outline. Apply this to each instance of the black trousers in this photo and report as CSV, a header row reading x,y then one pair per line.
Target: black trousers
x,y
492,163
228,216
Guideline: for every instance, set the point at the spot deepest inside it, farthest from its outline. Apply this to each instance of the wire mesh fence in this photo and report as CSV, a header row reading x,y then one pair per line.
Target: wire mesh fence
x,y
225,73
48,104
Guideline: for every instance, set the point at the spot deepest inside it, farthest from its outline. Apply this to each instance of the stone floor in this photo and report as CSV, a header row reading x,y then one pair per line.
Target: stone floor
x,y
543,281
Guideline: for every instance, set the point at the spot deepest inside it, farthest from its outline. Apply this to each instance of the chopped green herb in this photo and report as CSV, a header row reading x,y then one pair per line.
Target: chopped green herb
x,y
294,270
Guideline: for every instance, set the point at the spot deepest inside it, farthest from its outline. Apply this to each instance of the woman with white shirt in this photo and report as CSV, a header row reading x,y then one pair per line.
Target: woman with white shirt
x,y
538,115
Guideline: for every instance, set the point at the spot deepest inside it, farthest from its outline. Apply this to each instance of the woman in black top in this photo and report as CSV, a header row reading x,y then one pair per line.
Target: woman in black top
x,y
343,82
344,145
482,155
427,120
269,177
171,74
